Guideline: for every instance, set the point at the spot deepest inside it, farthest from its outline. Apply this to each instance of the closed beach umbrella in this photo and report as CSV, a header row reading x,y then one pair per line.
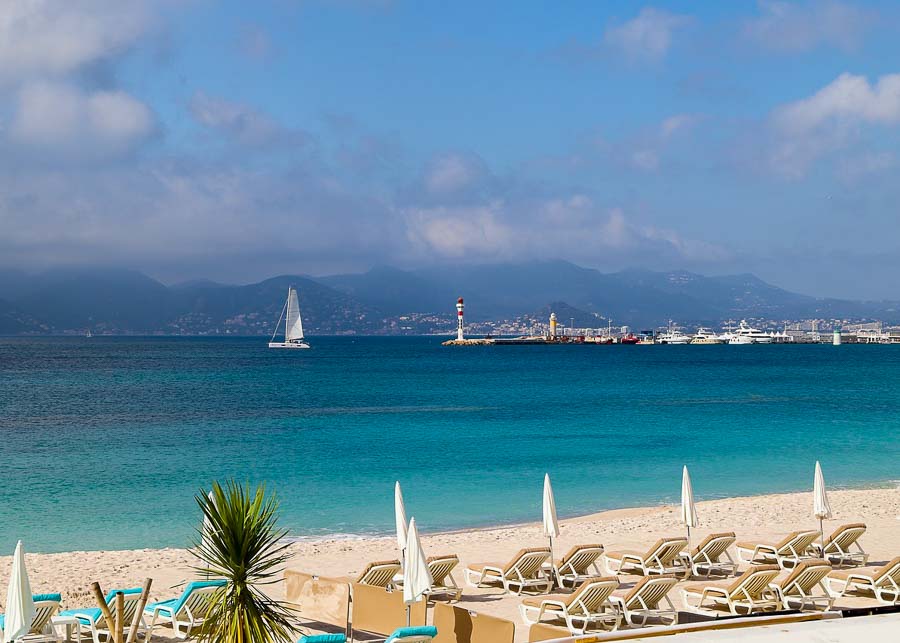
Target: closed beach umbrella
x,y
417,578
821,506
551,523
19,603
688,509
400,520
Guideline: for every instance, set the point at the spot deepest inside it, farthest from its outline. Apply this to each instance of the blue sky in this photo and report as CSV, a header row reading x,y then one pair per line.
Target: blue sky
x,y
235,140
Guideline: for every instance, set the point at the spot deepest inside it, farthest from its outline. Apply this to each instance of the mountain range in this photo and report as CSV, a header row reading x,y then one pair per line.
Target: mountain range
x,y
386,300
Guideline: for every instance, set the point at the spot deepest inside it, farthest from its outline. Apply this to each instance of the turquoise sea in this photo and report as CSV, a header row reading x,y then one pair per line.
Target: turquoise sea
x,y
104,441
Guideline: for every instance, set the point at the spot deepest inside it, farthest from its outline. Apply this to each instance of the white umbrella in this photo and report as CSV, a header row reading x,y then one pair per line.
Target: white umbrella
x,y
821,506
19,602
688,509
551,523
417,578
400,521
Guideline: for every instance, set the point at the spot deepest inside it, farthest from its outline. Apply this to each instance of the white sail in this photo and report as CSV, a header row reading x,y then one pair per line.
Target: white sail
x,y
293,325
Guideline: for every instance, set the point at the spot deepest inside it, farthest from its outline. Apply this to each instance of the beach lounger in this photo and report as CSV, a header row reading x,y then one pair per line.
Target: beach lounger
x,y
523,571
587,605
380,573
706,558
751,592
92,617
419,634
323,638
442,581
579,564
663,557
800,585
883,581
790,550
45,607
837,547
185,612
644,601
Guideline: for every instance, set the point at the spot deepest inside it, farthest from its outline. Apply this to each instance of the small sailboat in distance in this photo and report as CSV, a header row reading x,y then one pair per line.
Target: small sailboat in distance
x,y
293,325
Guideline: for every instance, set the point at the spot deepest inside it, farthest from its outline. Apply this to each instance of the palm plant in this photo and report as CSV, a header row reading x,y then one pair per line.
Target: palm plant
x,y
241,543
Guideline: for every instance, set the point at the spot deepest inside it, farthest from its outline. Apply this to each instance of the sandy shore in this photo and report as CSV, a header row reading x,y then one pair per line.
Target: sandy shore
x,y
765,517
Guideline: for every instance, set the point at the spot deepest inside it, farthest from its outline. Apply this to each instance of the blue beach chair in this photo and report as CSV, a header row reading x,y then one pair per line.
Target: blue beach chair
x,y
421,634
92,617
45,607
185,612
323,638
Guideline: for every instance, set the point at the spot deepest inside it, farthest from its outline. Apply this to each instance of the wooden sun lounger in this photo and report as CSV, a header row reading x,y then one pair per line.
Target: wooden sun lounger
x,y
883,581
579,564
789,551
644,601
706,557
663,557
751,592
837,548
800,585
589,604
522,571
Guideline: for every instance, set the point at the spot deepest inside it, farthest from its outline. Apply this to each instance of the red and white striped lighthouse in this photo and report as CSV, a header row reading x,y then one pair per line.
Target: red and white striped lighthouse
x,y
459,319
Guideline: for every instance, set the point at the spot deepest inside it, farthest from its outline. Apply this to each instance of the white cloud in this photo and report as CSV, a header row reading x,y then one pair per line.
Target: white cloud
x,y
56,37
459,232
646,37
793,27
570,226
62,116
849,98
806,130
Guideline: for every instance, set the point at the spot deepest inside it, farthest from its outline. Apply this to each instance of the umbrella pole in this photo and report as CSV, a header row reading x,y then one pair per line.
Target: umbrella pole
x,y
689,535
554,573
407,614
822,537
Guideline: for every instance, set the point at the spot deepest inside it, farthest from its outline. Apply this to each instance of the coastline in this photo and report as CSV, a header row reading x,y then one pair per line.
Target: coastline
x,y
759,515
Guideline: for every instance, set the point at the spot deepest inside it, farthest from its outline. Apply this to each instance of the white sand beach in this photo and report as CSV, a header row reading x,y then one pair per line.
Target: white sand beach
x,y
764,517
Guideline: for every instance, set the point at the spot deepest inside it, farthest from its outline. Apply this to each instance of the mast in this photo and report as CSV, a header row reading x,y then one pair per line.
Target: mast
x,y
278,323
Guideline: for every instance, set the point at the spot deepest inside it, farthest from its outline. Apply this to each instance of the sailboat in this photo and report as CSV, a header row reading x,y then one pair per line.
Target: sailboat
x,y
293,325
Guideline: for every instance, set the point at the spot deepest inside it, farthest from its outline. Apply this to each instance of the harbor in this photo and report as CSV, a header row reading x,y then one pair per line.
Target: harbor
x,y
731,333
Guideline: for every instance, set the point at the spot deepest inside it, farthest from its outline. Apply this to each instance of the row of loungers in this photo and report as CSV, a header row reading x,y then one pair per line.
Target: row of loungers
x,y
182,613
758,589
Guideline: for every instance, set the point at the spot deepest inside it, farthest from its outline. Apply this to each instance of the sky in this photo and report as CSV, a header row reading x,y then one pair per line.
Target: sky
x,y
235,141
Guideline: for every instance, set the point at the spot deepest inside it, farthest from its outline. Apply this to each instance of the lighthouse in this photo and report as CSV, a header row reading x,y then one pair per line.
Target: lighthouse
x,y
459,319
552,325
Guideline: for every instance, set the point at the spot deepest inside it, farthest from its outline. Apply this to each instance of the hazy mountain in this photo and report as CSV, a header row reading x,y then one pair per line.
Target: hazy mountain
x,y
125,301
393,291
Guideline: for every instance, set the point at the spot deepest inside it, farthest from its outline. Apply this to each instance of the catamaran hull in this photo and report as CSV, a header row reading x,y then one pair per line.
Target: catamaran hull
x,y
288,345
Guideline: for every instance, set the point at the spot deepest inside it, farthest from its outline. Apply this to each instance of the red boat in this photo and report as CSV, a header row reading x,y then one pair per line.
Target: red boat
x,y
629,339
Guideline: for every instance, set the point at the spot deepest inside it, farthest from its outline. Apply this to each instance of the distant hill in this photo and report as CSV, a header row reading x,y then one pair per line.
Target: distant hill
x,y
386,300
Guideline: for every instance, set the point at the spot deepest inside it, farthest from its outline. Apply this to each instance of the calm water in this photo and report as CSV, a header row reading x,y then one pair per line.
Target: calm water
x,y
105,440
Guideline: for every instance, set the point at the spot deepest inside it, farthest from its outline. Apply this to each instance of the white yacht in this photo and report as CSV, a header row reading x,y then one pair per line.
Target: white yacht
x,y
746,334
706,336
293,325
672,336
